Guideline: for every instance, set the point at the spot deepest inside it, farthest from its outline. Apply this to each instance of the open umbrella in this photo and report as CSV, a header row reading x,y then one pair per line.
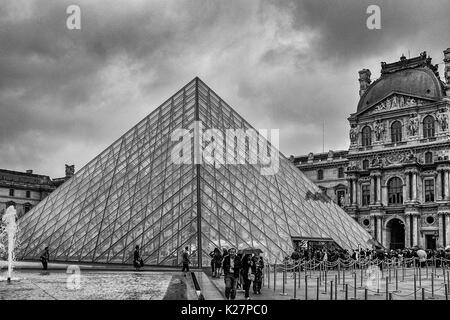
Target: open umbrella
x,y
252,251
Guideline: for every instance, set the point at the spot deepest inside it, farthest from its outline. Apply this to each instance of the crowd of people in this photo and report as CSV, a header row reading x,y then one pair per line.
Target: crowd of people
x,y
396,256
240,269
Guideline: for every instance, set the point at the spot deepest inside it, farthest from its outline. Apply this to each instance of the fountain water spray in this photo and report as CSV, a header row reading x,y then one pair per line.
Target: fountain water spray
x,y
9,220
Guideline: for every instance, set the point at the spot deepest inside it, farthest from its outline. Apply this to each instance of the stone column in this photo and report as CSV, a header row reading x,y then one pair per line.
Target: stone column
x,y
354,192
446,195
385,195
414,231
407,198
374,227
441,221
372,190
380,223
438,186
378,189
414,186
447,228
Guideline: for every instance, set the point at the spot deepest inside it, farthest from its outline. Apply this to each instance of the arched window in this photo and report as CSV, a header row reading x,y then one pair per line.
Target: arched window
x,y
428,127
320,174
366,136
429,157
365,164
395,191
396,132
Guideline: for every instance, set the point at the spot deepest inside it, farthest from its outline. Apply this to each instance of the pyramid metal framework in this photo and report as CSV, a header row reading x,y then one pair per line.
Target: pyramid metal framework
x,y
134,194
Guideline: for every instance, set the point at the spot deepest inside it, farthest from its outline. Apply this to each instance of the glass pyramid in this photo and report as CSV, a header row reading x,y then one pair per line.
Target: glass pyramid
x,y
134,194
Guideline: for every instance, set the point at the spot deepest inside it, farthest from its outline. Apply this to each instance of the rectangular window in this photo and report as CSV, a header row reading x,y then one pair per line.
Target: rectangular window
x,y
365,191
11,192
429,190
28,194
341,172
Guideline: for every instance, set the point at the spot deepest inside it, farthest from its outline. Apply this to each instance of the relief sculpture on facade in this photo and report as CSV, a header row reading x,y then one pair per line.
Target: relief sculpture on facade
x,y
379,130
353,134
413,125
397,102
442,119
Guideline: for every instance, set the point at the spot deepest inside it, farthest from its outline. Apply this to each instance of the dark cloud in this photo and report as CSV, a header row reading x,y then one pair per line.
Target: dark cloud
x,y
67,94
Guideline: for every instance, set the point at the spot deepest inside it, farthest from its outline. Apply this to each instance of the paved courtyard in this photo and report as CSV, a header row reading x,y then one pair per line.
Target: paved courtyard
x,y
402,289
94,284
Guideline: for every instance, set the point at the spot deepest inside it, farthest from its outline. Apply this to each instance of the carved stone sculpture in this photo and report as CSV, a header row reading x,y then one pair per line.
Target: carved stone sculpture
x,y
379,130
353,134
413,125
442,119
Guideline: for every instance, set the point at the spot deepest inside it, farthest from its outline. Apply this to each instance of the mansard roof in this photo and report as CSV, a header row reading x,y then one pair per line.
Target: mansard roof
x,y
415,77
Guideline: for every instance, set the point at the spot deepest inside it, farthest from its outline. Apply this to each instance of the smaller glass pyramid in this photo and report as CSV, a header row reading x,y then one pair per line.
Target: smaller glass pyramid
x,y
134,194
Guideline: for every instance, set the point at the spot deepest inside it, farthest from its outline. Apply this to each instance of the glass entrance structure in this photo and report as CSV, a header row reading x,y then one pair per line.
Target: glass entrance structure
x,y
133,193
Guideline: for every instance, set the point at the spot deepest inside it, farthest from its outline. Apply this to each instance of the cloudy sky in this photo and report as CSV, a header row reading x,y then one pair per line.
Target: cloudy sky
x,y
65,95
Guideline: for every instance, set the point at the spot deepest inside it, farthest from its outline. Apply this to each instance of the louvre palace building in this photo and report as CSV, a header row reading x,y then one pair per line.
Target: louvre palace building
x,y
394,178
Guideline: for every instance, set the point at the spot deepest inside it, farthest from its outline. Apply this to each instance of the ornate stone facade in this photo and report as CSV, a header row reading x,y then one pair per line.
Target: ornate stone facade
x,y
24,190
397,176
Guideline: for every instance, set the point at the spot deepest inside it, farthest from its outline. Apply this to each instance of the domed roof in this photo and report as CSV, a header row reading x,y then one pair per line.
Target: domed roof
x,y
419,81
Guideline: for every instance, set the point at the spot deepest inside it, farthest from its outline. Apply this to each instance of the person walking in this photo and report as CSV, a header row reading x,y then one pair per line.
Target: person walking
x,y
231,270
257,270
247,274
138,263
217,263
213,265
185,260
422,255
45,257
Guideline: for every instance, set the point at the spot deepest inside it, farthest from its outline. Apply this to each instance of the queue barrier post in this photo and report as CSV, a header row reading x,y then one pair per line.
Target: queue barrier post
x,y
317,291
432,285
335,287
331,290
415,287
387,288
295,284
306,287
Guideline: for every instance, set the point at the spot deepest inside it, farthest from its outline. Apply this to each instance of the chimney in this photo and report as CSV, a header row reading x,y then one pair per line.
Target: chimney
x,y
70,171
447,69
364,80
29,171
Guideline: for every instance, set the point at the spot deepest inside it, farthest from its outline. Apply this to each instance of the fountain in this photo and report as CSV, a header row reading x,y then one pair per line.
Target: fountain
x,y
10,230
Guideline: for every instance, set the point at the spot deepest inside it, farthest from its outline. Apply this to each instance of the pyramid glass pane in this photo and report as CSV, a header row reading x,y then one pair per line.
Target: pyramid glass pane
x,y
133,193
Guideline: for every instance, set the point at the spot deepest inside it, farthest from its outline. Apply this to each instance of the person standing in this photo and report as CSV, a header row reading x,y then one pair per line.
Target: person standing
x,y
45,257
257,270
137,260
186,260
217,263
213,264
247,274
231,270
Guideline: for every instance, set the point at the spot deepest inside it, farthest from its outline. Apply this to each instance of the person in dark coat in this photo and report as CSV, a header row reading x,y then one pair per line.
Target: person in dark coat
x,y
217,263
137,260
247,274
257,270
185,260
231,270
213,265
45,257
